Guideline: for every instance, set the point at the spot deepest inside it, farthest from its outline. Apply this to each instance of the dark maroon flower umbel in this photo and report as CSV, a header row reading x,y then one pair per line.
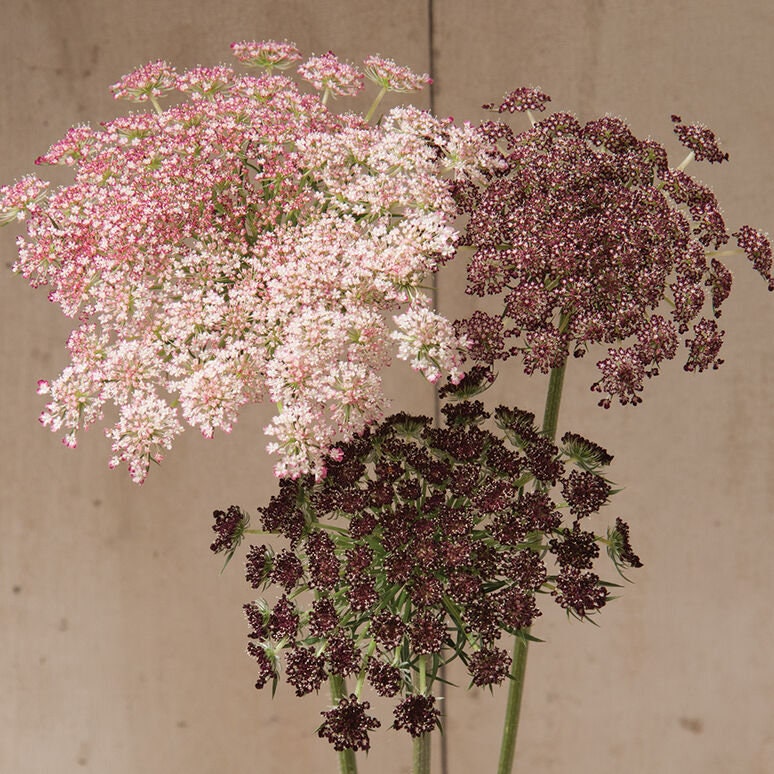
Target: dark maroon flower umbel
x,y
489,666
229,526
455,530
587,236
347,725
417,714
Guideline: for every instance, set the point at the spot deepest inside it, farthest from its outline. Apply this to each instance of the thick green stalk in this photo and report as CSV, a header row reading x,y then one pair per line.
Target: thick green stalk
x,y
347,763
553,399
513,707
519,665
421,757
421,754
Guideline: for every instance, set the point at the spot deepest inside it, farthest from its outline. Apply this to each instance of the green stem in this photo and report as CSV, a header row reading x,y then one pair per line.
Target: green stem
x,y
686,161
553,400
519,665
421,758
421,754
379,97
347,763
513,707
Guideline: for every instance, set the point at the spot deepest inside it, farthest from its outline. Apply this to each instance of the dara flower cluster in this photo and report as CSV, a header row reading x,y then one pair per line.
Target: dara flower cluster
x,y
244,242
587,236
421,545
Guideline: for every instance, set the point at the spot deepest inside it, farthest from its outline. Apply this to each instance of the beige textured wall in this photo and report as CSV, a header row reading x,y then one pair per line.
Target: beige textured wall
x,y
121,648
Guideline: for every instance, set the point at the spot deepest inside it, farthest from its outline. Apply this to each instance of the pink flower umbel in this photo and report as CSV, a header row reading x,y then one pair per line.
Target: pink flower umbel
x,y
388,75
268,54
148,82
330,75
241,244
21,198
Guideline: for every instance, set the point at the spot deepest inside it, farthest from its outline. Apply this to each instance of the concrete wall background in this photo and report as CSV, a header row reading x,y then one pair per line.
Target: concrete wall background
x,y
121,648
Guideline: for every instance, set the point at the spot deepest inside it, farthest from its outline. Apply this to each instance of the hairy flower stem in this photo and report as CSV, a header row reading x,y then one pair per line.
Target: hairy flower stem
x,y
519,665
553,399
347,763
513,707
421,758
421,754
379,97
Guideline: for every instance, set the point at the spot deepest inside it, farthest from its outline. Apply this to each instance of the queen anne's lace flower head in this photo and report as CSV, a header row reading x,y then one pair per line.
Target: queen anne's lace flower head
x,y
587,236
268,54
148,82
329,74
240,244
390,76
423,544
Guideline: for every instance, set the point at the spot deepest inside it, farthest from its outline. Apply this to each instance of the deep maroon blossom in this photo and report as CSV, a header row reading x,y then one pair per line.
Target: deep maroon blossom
x,y
427,633
587,237
539,512
267,669
577,548
522,99
324,566
620,547
542,460
362,593
342,656
388,629
230,528
282,514
489,666
417,714
284,620
700,140
347,725
286,570
525,568
257,566
579,591
517,610
442,559
358,559
385,679
585,492
587,453
323,617
257,617
305,671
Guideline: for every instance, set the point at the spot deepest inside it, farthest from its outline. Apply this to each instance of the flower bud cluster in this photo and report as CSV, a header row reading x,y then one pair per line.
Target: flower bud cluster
x,y
244,242
588,236
421,545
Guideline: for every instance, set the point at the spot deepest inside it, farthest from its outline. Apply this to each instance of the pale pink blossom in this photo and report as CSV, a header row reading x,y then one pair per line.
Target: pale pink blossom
x,y
269,54
148,82
21,197
253,245
327,73
428,342
394,77
205,81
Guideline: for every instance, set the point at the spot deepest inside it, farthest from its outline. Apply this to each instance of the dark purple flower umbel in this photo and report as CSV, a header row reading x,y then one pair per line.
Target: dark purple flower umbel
x,y
347,725
417,714
229,527
587,237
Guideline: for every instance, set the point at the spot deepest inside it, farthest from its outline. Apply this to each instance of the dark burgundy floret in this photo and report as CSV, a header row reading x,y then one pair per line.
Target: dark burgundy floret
x,y
346,726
